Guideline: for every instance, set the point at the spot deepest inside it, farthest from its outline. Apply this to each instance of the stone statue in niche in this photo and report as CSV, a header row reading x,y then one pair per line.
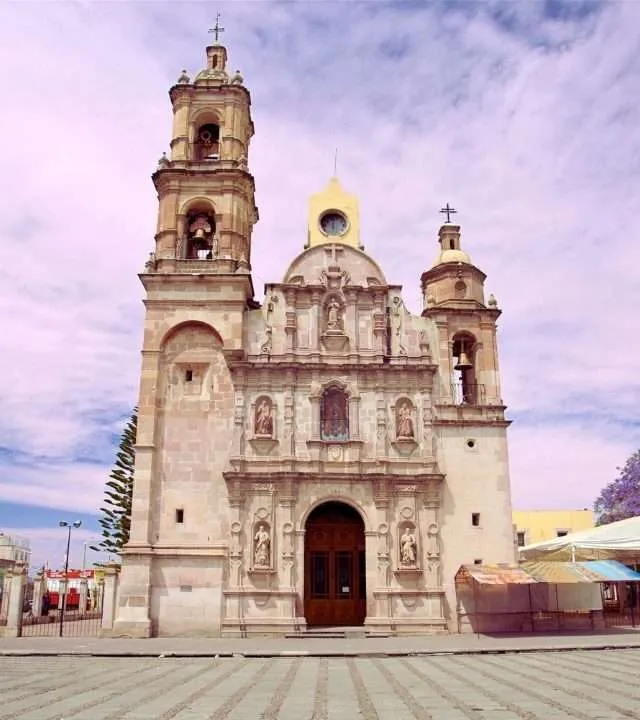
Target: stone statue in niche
x,y
262,547
334,316
404,420
333,415
263,425
408,548
397,324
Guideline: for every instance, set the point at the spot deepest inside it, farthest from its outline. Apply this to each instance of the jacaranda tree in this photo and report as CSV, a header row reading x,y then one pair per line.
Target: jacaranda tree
x,y
116,512
620,499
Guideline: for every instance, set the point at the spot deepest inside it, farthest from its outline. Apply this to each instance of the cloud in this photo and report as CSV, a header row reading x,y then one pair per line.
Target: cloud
x,y
522,115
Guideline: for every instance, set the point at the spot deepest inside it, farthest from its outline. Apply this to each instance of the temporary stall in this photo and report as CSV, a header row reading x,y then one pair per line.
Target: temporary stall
x,y
538,596
616,541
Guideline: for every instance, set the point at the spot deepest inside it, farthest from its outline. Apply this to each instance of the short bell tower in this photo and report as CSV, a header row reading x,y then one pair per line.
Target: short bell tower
x,y
453,295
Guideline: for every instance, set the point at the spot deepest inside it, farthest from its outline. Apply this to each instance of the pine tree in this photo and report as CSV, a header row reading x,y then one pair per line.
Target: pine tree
x,y
620,499
116,513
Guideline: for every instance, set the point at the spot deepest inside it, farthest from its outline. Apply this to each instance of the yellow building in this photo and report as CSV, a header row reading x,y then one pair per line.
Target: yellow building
x,y
534,526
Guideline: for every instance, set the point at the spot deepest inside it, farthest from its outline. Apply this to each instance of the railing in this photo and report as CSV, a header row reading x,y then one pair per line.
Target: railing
x,y
467,394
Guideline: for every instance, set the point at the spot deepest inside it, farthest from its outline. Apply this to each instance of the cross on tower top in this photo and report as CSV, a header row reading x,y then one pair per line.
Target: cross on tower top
x,y
216,29
448,211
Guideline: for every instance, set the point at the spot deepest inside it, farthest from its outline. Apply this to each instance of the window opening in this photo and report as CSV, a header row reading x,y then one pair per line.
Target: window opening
x,y
179,515
522,540
475,519
188,376
334,415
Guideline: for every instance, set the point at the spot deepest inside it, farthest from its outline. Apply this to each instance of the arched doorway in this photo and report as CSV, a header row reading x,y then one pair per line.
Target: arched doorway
x,y
334,559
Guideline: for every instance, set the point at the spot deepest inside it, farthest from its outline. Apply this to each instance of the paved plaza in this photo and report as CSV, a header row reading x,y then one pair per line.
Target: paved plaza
x,y
545,685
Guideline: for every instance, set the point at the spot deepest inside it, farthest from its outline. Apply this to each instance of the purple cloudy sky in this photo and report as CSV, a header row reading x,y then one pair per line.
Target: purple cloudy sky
x,y
524,116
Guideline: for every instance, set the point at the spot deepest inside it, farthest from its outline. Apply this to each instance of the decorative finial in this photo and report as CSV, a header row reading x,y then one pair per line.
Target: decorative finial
x,y
448,211
237,79
216,29
184,79
164,161
492,301
335,164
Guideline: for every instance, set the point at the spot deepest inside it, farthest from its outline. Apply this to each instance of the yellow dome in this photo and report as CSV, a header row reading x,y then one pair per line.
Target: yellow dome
x,y
448,256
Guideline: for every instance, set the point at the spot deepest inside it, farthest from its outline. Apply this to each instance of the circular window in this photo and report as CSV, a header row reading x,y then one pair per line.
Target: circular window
x,y
471,443
333,223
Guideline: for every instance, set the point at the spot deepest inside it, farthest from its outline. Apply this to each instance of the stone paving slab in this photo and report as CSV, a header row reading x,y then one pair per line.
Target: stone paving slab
x,y
317,647
576,685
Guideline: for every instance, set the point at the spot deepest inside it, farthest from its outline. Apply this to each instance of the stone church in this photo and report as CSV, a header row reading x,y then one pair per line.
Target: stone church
x,y
323,457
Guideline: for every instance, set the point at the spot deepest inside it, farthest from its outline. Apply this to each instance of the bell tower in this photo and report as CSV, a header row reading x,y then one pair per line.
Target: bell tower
x,y
453,296
199,292
205,190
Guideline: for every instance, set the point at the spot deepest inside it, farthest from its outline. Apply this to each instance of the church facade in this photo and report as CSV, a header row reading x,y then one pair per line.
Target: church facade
x,y
322,458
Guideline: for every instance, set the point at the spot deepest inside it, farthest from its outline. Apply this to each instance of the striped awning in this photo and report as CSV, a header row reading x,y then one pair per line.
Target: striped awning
x,y
548,571
593,571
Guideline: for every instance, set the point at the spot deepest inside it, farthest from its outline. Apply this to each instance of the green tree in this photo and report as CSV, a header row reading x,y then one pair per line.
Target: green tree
x,y
116,512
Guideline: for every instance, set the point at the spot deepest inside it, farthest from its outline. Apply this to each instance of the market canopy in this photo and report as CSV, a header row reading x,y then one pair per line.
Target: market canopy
x,y
619,540
550,572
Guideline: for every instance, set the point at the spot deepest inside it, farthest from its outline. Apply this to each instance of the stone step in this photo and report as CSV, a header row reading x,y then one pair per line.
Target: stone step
x,y
339,633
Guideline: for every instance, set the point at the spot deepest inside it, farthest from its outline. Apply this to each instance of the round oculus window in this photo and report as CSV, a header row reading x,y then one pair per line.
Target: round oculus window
x,y
333,223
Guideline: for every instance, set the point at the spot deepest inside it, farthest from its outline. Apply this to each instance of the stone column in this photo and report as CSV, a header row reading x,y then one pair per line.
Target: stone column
x,y
354,417
39,587
82,608
16,600
6,593
109,599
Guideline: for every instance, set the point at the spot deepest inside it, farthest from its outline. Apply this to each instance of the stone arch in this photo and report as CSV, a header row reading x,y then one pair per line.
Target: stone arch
x,y
346,500
197,224
195,325
205,135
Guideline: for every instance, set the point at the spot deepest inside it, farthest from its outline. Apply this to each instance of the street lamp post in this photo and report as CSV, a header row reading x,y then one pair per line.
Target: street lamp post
x,y
65,524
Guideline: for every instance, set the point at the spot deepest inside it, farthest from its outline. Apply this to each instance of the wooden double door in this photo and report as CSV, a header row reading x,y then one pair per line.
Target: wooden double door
x,y
335,573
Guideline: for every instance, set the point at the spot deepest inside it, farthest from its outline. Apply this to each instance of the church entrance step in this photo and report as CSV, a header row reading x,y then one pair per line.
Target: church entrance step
x,y
339,633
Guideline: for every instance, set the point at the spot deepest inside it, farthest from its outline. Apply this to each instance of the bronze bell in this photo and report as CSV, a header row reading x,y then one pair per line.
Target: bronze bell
x,y
463,361
199,233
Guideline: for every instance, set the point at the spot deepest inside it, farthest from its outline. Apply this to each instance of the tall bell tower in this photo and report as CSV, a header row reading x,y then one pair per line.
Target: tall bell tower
x,y
198,290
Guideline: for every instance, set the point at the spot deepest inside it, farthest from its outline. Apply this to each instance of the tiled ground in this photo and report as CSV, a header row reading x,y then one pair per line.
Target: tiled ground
x,y
575,684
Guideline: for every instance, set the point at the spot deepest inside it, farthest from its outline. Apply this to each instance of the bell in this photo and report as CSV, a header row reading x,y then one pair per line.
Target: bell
x,y
199,234
463,361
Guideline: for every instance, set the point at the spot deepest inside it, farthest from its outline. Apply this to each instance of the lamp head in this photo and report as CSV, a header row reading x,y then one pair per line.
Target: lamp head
x,y
62,523
77,523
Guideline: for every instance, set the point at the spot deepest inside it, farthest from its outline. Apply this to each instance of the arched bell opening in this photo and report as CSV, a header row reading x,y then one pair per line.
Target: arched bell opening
x,y
200,230
208,142
335,592
464,369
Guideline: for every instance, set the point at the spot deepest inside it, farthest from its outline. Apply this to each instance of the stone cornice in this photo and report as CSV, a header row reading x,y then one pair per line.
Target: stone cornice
x,y
333,365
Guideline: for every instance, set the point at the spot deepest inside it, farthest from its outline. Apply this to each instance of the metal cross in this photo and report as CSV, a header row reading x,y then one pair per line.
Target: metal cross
x,y
448,211
216,29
